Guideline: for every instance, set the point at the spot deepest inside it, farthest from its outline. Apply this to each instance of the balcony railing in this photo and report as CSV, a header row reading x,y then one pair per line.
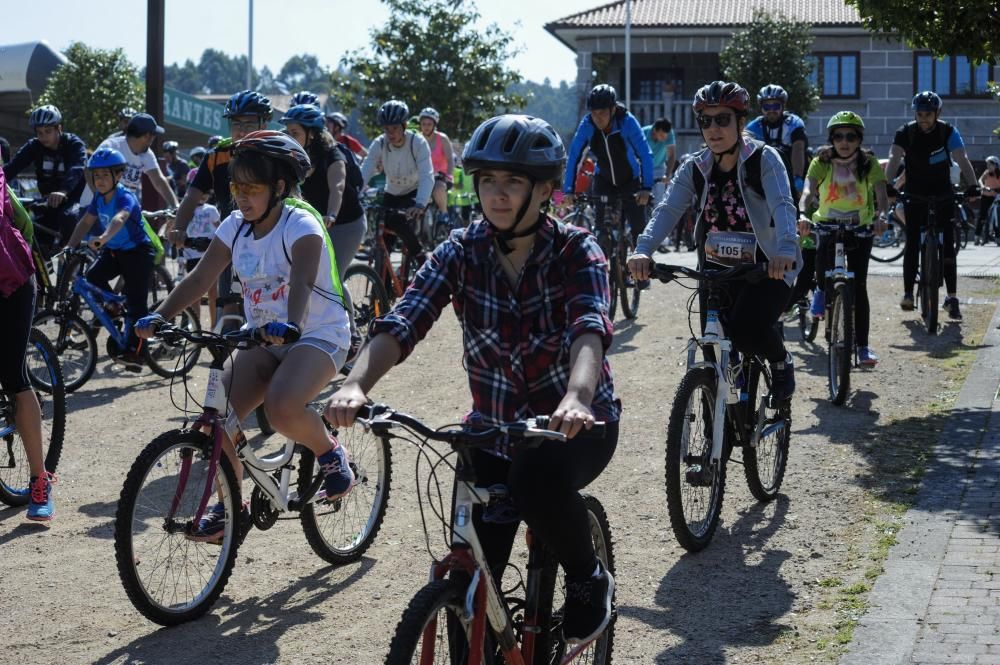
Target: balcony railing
x,y
678,111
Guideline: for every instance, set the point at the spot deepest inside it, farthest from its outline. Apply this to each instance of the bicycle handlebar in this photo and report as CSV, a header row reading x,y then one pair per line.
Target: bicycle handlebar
x,y
851,227
750,272
240,339
930,200
158,214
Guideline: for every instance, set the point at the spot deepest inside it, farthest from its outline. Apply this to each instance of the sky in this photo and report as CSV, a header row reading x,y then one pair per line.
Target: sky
x,y
326,28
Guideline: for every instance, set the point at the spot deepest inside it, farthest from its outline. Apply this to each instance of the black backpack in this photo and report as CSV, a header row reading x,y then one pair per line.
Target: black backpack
x,y
354,179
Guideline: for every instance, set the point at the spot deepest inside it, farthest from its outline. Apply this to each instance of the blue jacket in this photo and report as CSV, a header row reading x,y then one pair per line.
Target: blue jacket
x,y
622,154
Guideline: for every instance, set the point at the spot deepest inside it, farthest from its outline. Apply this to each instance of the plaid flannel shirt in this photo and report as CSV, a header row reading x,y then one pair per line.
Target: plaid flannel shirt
x,y
517,340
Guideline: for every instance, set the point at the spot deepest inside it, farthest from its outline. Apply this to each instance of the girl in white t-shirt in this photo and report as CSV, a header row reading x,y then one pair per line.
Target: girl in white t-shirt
x,y
285,263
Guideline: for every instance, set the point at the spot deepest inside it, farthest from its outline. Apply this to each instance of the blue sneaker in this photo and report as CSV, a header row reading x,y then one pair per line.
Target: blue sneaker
x,y
41,508
339,477
818,308
211,526
867,357
783,379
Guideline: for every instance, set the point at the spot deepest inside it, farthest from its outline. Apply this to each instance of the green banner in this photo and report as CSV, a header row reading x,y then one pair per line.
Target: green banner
x,y
184,110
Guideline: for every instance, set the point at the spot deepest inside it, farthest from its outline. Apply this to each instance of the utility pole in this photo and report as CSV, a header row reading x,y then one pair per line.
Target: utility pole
x,y
250,50
628,53
155,16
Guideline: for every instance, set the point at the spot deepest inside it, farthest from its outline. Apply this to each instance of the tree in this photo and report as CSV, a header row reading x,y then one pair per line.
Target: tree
x,y
431,53
555,105
773,49
91,89
968,28
303,72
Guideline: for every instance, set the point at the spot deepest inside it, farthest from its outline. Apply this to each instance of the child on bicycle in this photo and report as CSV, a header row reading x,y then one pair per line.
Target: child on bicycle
x,y
989,182
204,222
120,237
532,297
739,192
17,306
842,180
283,257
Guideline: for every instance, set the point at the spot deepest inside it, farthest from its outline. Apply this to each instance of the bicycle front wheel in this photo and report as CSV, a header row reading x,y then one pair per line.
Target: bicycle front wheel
x,y
628,287
15,474
695,487
433,628
764,465
342,530
173,359
75,343
840,354
929,278
170,572
890,245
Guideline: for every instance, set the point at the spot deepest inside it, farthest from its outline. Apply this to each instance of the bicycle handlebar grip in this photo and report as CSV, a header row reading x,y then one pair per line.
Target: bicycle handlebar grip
x,y
599,429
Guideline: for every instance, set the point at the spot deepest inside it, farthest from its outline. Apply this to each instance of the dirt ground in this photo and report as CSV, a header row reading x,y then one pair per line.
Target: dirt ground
x,y
750,597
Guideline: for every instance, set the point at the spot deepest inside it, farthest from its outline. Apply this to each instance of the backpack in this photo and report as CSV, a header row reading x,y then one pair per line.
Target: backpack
x,y
22,220
354,179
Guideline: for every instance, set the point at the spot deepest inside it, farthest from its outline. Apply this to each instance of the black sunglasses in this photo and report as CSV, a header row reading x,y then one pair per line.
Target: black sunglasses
x,y
722,120
844,136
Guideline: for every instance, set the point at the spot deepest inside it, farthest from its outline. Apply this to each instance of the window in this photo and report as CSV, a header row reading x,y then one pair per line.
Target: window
x,y
836,74
952,76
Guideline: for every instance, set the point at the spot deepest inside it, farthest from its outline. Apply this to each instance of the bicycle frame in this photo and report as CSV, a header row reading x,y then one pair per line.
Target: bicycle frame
x,y
382,258
96,298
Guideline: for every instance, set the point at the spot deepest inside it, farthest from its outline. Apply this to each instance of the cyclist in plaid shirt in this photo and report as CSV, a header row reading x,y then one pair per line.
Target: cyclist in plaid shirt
x,y
532,297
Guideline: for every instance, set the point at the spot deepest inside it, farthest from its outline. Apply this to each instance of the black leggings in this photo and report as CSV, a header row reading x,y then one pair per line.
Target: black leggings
x,y
806,281
631,211
916,219
750,315
544,485
136,267
16,311
985,202
858,251
399,224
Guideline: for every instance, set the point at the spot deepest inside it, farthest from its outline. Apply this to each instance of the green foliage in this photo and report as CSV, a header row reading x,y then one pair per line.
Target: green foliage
x,y
773,49
557,105
303,72
966,28
91,88
215,73
431,53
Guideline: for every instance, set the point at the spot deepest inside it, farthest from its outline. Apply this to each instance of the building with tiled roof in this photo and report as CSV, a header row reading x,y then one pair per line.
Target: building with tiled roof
x,y
676,45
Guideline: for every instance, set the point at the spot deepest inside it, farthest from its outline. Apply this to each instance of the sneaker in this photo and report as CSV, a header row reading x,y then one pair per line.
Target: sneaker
x,y
588,606
212,525
339,477
867,357
906,303
643,284
41,508
131,361
951,304
818,308
783,379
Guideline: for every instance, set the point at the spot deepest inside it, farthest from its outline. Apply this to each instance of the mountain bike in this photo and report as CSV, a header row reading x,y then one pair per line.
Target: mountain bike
x,y
465,615
46,378
616,241
75,339
169,576
890,245
838,286
581,214
964,228
991,228
723,402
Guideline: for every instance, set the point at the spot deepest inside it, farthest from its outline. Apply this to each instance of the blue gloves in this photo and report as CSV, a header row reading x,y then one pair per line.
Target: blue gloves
x,y
149,322
286,331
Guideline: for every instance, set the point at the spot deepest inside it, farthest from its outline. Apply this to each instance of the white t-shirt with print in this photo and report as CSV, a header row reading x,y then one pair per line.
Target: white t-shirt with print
x,y
137,164
203,225
264,269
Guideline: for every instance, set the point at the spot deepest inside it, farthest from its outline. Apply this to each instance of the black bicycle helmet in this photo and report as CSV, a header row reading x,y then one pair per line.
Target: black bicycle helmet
x,y
393,112
516,143
927,100
722,93
772,91
277,145
602,96
338,118
305,97
248,102
45,116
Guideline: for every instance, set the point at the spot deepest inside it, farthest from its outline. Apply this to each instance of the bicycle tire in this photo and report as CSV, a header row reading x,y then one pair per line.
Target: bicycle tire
x,y
629,295
142,528
929,277
75,343
604,239
15,475
698,384
550,648
890,245
430,611
840,351
263,424
369,299
161,282
171,360
341,531
764,466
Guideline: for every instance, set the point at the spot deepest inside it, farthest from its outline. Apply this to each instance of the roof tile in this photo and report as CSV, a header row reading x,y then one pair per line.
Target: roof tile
x,y
689,13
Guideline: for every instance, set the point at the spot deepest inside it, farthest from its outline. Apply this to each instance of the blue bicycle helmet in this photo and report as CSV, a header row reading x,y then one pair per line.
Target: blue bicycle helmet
x,y
515,142
305,97
106,158
926,101
393,112
772,91
248,102
45,116
307,115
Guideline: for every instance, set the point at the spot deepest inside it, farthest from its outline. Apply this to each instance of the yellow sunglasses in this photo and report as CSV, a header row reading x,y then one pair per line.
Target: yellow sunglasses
x,y
247,189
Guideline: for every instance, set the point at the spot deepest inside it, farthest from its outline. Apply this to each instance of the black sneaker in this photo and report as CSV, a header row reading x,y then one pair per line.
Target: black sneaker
x,y
588,607
783,379
951,304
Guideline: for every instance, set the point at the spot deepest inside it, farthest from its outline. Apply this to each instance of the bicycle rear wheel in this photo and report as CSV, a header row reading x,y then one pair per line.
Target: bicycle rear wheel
x,y
169,577
628,287
423,635
764,465
160,284
369,299
608,247
173,359
891,244
74,342
840,354
929,278
695,488
15,473
550,648
341,531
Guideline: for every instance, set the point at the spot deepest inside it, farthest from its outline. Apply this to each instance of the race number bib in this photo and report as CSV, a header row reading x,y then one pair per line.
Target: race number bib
x,y
729,249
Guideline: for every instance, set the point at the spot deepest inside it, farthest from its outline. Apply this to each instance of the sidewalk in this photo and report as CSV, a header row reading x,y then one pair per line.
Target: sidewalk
x,y
939,598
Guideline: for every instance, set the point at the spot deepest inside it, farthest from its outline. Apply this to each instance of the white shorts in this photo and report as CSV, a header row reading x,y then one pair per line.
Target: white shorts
x,y
336,354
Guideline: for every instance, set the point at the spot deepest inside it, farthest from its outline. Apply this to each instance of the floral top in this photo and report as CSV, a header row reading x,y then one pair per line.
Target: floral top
x,y
724,207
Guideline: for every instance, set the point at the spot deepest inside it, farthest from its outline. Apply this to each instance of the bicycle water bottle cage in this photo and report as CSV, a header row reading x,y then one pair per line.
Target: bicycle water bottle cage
x,y
500,509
